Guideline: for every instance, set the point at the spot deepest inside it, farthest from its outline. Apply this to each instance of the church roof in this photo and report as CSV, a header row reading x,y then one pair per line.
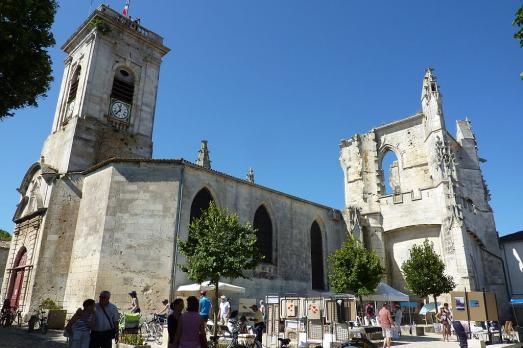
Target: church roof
x,y
184,162
512,237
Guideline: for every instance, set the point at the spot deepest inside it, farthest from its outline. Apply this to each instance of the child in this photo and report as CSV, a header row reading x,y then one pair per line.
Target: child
x,y
80,326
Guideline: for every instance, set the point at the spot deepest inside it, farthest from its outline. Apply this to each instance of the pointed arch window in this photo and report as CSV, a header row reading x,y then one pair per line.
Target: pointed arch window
x,y
263,225
390,173
123,86
200,203
317,257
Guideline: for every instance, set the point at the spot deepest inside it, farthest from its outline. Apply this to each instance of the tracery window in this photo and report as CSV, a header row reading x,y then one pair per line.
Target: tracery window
x,y
390,171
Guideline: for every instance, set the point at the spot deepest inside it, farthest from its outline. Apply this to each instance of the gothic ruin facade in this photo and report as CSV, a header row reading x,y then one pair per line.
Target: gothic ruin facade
x,y
436,191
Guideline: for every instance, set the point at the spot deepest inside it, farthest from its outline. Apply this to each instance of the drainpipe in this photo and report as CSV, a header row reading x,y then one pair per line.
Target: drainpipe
x,y
174,268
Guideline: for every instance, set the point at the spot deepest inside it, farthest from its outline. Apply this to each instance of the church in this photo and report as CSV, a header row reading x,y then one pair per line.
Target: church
x,y
98,212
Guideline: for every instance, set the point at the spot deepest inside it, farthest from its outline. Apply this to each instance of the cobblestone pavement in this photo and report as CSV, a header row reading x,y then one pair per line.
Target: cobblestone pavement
x,y
15,337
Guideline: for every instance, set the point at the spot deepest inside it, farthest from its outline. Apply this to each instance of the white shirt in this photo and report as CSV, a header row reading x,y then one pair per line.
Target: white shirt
x,y
101,322
224,309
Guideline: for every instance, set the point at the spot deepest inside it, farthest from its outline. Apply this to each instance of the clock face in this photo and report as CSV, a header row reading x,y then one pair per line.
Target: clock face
x,y
120,110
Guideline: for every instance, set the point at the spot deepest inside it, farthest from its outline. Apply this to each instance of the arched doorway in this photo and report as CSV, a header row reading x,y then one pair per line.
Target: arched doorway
x,y
317,257
263,225
17,278
200,203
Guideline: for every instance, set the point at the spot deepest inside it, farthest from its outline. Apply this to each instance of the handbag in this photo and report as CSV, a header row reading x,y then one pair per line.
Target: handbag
x,y
113,329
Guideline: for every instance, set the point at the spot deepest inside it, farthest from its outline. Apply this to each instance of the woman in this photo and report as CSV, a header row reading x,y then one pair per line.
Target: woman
x,y
176,308
190,332
80,325
135,306
444,317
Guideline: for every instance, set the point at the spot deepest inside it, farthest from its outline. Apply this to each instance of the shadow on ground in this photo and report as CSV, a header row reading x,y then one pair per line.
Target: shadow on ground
x,y
16,337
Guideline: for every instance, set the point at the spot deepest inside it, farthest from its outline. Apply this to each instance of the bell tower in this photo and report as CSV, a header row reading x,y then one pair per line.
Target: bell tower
x,y
108,93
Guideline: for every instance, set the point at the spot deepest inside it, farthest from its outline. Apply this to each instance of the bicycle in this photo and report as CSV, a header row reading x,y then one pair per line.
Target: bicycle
x,y
154,329
38,321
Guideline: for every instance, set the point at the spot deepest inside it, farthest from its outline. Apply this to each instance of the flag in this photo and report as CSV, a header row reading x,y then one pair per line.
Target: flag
x,y
125,10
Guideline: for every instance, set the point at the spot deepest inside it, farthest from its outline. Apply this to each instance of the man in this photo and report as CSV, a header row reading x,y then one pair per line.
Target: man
x,y
106,323
386,324
225,309
259,325
205,306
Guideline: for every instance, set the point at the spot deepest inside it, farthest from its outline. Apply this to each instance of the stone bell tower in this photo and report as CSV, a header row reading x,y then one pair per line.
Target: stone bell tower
x,y
108,93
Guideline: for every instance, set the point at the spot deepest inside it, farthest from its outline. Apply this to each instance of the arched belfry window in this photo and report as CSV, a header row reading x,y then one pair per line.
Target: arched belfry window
x,y
263,225
73,86
200,203
317,257
390,173
123,86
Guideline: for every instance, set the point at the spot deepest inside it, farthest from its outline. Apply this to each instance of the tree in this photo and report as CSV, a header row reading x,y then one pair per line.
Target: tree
x,y
424,272
4,235
25,66
217,247
518,21
354,269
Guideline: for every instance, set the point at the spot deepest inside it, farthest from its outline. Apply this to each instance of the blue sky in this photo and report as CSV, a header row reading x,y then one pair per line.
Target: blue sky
x,y
276,84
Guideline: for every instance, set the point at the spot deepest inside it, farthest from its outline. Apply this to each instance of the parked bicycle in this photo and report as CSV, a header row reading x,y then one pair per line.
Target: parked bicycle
x,y
38,321
153,329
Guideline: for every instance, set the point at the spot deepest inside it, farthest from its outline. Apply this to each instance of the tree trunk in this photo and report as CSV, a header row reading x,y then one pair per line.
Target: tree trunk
x,y
435,306
361,314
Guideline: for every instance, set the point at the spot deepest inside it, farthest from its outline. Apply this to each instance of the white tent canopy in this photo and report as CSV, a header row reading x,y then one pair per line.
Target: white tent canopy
x,y
194,289
385,292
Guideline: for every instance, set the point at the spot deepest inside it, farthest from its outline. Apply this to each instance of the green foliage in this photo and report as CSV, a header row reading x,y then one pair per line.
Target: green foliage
x,y
218,246
100,25
4,235
25,66
49,304
354,269
424,272
132,339
518,21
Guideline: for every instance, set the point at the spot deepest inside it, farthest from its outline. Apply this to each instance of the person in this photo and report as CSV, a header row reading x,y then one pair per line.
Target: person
x,y
105,322
165,311
80,325
225,309
369,314
205,306
263,310
190,331
259,325
398,316
5,315
175,312
461,332
135,306
386,324
445,316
